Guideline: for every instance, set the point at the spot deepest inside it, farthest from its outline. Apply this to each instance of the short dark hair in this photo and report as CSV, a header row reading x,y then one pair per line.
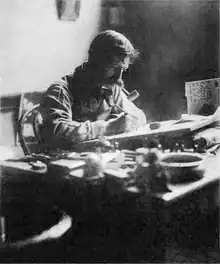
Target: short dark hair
x,y
108,44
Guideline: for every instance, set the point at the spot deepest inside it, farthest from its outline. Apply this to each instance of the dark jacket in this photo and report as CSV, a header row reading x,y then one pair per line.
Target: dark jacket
x,y
71,110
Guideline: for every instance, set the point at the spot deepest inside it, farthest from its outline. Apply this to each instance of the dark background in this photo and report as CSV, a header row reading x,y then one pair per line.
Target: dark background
x,y
178,42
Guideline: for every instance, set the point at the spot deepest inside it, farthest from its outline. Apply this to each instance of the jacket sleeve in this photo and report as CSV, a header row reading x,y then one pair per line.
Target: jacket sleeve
x,y
122,101
58,118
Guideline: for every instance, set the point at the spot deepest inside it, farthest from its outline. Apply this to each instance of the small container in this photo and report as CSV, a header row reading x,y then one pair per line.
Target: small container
x,y
141,155
93,166
182,166
153,156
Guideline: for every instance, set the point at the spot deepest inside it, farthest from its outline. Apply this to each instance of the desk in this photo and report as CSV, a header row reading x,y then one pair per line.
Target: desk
x,y
171,128
109,228
211,166
121,212
21,172
212,175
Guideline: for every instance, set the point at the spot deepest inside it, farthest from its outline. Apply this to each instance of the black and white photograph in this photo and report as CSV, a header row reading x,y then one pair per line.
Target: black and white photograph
x,y
109,131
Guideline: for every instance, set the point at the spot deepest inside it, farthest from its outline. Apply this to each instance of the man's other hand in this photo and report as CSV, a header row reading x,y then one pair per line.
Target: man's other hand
x,y
122,123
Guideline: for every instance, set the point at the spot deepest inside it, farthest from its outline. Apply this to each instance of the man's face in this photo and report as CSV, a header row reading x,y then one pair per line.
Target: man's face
x,y
113,72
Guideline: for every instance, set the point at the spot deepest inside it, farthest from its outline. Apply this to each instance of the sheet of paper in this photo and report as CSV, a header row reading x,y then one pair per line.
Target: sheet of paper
x,y
202,92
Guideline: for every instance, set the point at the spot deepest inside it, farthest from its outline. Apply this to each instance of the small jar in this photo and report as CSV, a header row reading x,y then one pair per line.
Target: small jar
x,y
94,166
141,154
153,156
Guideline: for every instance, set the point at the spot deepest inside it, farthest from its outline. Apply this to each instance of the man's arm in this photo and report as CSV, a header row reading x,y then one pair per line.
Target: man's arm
x,y
58,117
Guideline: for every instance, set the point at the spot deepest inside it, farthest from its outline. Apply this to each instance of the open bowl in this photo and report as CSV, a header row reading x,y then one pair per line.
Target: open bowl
x,y
182,166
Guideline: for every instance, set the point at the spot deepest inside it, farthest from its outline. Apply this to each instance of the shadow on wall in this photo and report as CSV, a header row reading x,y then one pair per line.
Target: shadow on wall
x,y
178,42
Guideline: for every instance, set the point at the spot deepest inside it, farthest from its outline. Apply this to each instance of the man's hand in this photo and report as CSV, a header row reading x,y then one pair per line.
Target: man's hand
x,y
122,123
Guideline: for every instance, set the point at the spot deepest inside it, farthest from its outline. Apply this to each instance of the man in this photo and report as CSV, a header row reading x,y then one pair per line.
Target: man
x,y
88,103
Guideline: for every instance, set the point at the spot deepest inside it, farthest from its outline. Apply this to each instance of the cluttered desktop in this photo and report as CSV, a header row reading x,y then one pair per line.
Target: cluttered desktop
x,y
166,161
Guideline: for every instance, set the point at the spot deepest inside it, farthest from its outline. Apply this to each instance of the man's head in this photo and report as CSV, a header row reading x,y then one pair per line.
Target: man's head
x,y
111,53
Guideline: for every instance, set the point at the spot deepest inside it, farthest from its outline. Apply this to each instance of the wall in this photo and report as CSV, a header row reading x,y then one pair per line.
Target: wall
x,y
178,42
36,48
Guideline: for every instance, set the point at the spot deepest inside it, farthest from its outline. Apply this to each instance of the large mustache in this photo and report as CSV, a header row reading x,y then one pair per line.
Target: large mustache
x,y
117,81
